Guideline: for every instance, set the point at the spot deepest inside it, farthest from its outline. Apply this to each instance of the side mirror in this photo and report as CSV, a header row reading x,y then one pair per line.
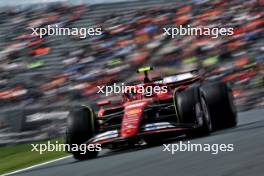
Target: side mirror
x,y
104,102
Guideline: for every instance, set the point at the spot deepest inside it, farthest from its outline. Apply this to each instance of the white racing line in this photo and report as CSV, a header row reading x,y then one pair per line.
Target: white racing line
x,y
34,166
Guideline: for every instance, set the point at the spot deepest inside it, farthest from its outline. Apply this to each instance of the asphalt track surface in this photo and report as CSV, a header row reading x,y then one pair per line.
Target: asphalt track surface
x,y
247,159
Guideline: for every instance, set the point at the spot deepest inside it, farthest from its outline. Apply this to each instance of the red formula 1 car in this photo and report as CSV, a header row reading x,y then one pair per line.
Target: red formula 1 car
x,y
190,105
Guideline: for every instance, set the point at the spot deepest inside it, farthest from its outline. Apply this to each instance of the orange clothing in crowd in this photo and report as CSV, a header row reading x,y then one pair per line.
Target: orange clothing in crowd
x,y
184,10
41,51
53,83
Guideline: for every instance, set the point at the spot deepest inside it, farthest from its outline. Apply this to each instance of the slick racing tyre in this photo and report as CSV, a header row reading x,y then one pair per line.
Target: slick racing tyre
x,y
192,108
81,126
220,101
185,103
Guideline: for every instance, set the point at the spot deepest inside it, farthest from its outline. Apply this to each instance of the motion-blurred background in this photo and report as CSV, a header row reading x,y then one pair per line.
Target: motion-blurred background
x,y
40,79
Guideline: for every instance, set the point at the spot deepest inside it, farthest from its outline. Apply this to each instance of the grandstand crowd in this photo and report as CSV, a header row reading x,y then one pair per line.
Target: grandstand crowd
x,y
56,69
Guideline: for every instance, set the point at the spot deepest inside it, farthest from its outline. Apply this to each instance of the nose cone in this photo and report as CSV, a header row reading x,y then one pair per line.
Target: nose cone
x,y
132,118
130,125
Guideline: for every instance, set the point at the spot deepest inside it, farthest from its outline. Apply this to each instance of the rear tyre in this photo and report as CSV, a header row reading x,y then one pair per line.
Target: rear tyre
x,y
220,103
81,126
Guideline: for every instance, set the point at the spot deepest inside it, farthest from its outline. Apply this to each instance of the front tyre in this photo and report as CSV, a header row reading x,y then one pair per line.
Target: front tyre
x,y
220,103
192,108
206,127
81,126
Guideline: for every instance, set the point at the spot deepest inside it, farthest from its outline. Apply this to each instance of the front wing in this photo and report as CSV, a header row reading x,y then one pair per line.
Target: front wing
x,y
114,136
